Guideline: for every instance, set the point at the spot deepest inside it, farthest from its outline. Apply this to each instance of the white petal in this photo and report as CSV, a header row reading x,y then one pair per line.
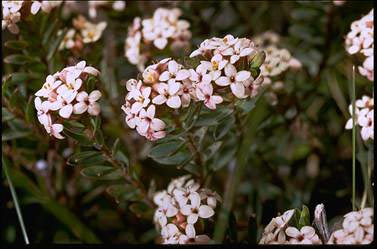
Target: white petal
x,y
35,7
243,75
66,111
292,232
174,102
160,43
182,74
190,231
80,108
222,81
157,124
230,70
159,100
173,87
186,210
91,70
238,89
94,109
194,199
82,96
206,211
192,218
164,76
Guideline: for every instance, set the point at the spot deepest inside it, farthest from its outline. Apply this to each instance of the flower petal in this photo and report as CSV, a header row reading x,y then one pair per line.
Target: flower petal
x,y
205,211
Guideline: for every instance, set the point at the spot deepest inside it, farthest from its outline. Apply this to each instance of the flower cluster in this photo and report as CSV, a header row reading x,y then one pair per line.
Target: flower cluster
x,y
364,117
357,228
227,63
116,5
169,83
360,40
64,92
46,6
278,231
277,61
163,27
179,209
12,12
83,32
11,15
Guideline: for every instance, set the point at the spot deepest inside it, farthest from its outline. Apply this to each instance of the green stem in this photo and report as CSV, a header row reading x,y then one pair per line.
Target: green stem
x,y
353,141
15,200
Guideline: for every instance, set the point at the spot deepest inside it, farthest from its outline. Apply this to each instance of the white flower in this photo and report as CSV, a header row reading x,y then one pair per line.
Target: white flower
x,y
92,32
171,234
168,93
68,41
191,238
48,87
46,6
204,92
11,15
54,130
196,210
367,124
141,96
234,79
306,235
87,103
147,120
174,73
210,196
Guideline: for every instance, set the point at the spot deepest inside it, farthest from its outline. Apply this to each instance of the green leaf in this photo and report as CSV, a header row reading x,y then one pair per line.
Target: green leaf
x,y
232,228
100,172
176,159
6,115
223,158
86,158
16,44
212,149
120,156
123,192
141,210
11,135
72,125
257,60
223,128
165,149
213,117
19,59
54,46
84,141
115,147
30,111
304,217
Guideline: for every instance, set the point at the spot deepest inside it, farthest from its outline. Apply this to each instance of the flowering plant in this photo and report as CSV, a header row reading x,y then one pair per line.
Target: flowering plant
x,y
187,122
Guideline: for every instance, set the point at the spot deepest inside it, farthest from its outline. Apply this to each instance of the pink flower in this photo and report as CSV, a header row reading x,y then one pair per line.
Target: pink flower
x,y
132,119
141,96
204,92
168,93
87,103
54,130
175,72
234,79
147,120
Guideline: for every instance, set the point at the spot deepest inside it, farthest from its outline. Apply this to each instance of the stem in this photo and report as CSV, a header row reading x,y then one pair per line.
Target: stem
x,y
15,200
353,141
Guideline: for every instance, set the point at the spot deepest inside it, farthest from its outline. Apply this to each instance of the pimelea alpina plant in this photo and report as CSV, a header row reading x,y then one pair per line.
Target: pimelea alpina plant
x,y
45,6
84,32
224,70
278,60
181,208
284,230
162,29
357,228
364,117
64,93
11,15
360,40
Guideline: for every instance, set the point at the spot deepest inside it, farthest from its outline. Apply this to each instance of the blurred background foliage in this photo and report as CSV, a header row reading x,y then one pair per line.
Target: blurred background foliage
x,y
299,152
